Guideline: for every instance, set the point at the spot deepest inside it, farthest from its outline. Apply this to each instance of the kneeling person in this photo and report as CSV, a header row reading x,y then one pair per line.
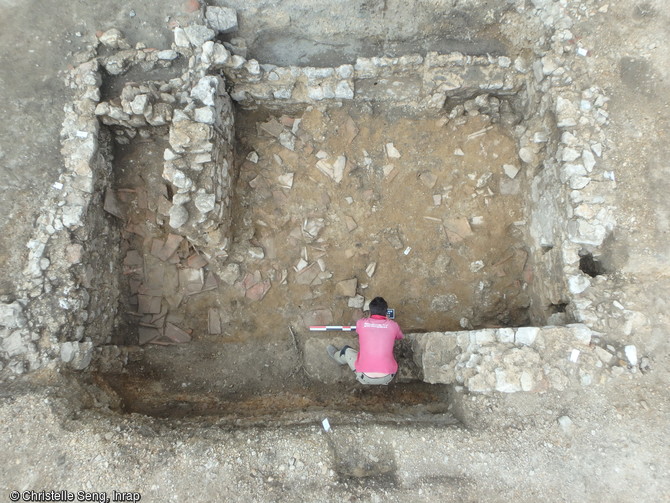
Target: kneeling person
x,y
374,362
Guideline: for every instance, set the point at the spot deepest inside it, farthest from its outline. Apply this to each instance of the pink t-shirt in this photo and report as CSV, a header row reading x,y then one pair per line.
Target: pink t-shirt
x,y
376,336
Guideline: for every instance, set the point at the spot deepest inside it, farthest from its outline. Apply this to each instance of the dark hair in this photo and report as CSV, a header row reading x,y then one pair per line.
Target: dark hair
x,y
378,306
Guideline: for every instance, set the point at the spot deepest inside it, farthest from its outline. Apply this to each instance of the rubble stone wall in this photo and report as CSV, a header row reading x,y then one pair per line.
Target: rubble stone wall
x,y
510,360
198,113
70,291
570,211
412,81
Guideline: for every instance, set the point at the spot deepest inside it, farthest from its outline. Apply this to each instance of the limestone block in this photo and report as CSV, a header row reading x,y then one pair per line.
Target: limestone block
x,y
113,39
178,216
205,90
486,336
205,202
222,19
189,135
343,90
581,332
11,315
435,354
214,53
68,351
168,55
198,34
526,335
140,104
505,335
14,344
205,115
72,215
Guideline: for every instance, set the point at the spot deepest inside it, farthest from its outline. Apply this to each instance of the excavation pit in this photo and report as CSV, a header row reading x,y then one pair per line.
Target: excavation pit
x,y
254,201
425,212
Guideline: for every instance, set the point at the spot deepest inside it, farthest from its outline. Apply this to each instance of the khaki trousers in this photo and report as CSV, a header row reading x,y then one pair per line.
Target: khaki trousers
x,y
347,356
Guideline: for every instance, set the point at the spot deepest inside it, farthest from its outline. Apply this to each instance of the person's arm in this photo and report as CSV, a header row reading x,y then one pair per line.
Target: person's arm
x,y
399,334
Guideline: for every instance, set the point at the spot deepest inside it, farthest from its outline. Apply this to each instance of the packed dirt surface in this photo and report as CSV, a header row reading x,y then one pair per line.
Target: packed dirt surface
x,y
193,419
424,225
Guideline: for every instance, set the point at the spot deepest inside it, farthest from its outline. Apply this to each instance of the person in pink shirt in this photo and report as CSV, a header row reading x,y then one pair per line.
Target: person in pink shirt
x,y
374,362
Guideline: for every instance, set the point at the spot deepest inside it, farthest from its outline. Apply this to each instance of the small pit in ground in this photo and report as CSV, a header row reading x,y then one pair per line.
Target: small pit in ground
x,y
421,211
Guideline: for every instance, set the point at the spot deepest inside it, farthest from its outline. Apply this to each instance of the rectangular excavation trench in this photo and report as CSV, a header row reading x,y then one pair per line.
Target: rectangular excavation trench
x,y
332,203
424,214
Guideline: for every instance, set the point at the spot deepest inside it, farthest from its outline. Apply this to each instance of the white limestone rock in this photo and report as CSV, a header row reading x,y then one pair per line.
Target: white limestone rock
x,y
113,39
581,332
631,354
222,19
588,160
356,302
507,382
140,104
214,53
178,216
11,315
510,170
169,155
205,202
68,351
566,424
205,90
578,283
206,115
344,91
391,151
14,344
526,335
167,55
567,112
198,34
235,62
505,335
180,38
72,215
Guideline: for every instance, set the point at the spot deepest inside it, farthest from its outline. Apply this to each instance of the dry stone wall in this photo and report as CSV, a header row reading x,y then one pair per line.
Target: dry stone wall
x,y
411,81
70,290
562,141
510,360
199,118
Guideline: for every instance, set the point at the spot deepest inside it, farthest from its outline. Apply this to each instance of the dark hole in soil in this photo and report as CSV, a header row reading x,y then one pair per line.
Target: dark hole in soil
x,y
557,308
591,266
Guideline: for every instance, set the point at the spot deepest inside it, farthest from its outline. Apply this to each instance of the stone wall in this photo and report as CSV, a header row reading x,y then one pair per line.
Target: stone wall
x,y
70,291
510,360
410,81
570,211
198,113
